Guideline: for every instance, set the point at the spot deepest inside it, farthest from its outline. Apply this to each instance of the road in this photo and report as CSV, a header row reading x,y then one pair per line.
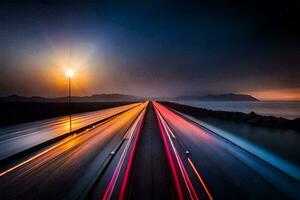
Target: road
x,y
210,167
140,151
17,138
55,172
151,178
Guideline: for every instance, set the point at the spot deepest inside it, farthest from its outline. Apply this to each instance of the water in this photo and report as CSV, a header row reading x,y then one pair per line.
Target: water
x,y
283,143
280,145
285,109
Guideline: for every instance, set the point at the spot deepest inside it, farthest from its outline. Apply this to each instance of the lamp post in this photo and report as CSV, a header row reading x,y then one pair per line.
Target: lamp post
x,y
70,74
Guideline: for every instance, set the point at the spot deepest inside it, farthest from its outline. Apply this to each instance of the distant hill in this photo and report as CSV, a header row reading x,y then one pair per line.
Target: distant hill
x,y
220,97
92,98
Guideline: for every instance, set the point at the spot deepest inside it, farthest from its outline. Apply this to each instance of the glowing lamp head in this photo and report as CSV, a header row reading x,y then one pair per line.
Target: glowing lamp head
x,y
70,73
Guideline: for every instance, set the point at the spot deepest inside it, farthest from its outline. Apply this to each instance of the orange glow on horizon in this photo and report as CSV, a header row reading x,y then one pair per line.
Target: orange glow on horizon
x,y
58,78
77,56
289,94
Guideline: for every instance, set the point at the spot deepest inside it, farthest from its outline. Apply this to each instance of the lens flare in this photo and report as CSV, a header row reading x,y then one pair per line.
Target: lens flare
x,y
70,73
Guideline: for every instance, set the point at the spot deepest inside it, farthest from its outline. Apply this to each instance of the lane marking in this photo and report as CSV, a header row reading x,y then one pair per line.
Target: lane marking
x,y
196,171
44,152
187,181
130,161
200,179
184,173
36,156
112,183
171,162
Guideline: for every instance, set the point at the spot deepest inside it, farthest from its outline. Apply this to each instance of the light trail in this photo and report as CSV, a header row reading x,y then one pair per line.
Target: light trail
x,y
18,138
47,150
130,160
182,125
169,157
72,166
36,156
183,171
110,188
169,130
200,179
220,149
276,161
282,183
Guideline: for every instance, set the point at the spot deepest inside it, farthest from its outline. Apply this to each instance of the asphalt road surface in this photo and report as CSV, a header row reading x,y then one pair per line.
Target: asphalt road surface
x,y
138,151
208,166
14,139
54,172
151,177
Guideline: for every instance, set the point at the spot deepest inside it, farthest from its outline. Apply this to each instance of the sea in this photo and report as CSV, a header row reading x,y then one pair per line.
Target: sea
x,y
285,109
283,143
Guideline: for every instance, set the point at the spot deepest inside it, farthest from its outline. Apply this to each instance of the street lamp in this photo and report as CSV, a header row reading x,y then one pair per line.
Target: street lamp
x,y
70,73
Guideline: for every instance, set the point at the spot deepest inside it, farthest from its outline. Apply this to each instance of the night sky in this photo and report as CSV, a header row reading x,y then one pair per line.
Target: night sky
x,y
151,49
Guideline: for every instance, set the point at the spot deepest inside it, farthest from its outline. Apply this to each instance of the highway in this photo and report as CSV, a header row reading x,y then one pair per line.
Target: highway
x,y
151,177
207,166
17,138
55,172
138,151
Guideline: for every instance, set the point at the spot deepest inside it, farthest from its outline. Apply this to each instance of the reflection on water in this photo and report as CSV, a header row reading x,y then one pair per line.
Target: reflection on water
x,y
284,143
286,109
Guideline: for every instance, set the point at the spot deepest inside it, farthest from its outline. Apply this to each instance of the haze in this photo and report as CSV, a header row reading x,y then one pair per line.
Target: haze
x,y
151,49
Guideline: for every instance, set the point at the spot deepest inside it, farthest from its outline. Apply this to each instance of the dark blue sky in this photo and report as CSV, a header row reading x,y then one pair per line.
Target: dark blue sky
x,y
151,49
